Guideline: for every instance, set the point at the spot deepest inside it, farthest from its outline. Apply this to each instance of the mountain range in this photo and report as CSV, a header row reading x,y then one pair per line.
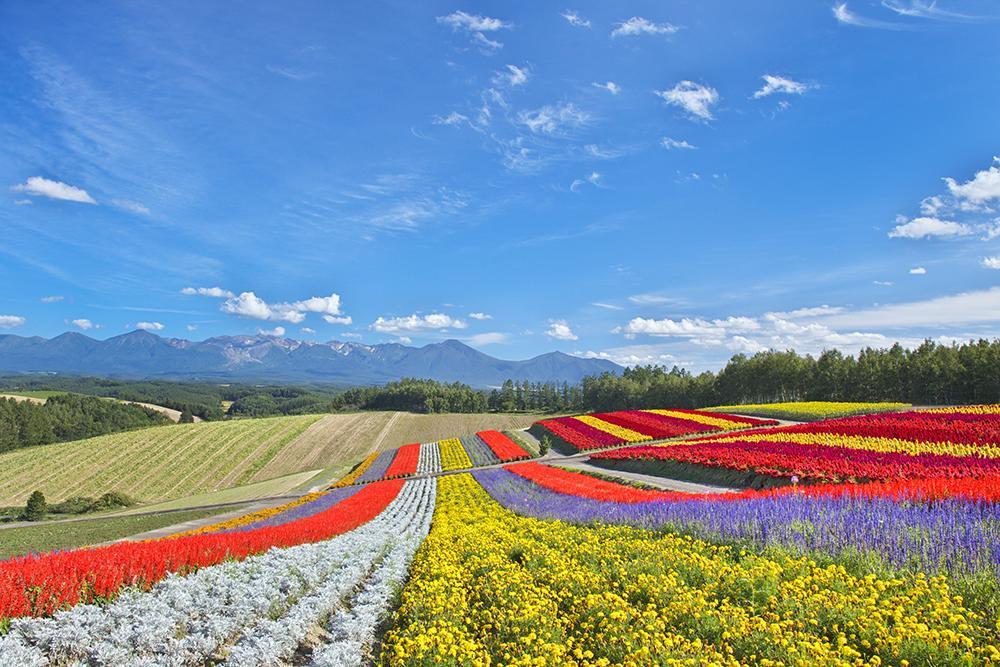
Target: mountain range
x,y
145,355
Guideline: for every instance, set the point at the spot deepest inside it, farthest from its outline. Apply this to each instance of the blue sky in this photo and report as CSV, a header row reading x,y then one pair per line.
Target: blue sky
x,y
666,182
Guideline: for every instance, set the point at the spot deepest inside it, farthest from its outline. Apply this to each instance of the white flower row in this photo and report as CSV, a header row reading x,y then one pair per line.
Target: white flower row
x,y
430,458
253,612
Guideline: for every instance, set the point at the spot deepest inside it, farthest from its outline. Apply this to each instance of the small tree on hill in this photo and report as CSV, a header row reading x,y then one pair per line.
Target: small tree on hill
x,y
545,445
186,417
36,507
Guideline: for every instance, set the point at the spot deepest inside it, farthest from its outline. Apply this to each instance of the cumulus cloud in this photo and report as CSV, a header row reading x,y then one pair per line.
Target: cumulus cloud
x,y
403,340
688,327
11,321
216,292
991,262
43,187
926,227
560,330
553,119
918,271
609,86
983,187
638,25
83,323
480,316
248,304
780,84
52,299
276,332
514,76
575,19
150,326
695,98
671,144
307,330
412,323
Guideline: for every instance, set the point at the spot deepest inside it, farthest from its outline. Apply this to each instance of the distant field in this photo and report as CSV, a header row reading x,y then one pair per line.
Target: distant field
x,y
41,396
808,410
187,461
70,534
338,441
150,464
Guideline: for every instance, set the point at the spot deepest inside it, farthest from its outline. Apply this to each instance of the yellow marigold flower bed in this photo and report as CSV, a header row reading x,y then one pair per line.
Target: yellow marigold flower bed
x,y
252,517
808,410
870,443
489,587
626,434
352,476
453,455
993,409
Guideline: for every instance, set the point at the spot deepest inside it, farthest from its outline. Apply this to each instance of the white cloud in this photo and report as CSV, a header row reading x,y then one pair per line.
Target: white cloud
x,y
882,283
652,299
688,327
514,76
925,227
981,188
307,330
43,187
964,308
83,323
475,25
991,262
560,330
779,84
845,16
276,332
575,19
633,355
248,304
11,321
551,119
924,10
403,340
815,311
638,25
52,299
192,327
432,322
695,98
480,316
131,206
454,118
150,326
671,144
609,86
918,271
593,179
216,292
606,306
489,338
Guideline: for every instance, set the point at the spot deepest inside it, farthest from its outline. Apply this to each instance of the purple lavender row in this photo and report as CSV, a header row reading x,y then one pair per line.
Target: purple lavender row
x,y
324,502
955,537
378,467
479,452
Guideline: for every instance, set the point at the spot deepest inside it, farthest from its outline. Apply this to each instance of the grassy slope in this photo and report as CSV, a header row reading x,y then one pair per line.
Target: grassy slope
x,y
150,464
66,535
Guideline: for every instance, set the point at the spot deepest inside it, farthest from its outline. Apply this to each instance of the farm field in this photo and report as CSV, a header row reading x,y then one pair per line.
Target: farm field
x,y
529,563
808,410
68,535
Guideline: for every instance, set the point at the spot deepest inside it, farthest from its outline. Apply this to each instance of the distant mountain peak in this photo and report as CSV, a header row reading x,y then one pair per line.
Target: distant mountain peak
x,y
143,354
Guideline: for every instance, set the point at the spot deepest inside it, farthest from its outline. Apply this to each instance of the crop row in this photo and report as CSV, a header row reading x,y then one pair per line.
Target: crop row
x,y
492,587
610,429
40,585
258,611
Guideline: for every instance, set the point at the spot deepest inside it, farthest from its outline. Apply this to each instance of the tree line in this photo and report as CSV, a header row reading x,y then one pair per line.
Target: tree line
x,y
68,417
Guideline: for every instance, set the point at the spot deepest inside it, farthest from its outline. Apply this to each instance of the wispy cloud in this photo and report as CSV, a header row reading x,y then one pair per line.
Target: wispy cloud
x,y
575,19
845,16
216,292
779,84
130,206
480,316
609,86
554,119
488,338
695,98
594,179
475,26
606,306
55,298
671,144
925,10
638,25
512,76
42,187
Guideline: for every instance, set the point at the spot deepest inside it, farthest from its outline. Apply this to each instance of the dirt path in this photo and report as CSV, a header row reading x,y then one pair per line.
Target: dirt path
x,y
380,438
174,415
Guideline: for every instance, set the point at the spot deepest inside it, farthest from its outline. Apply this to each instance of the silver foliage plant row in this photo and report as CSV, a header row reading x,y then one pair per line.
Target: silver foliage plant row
x,y
255,612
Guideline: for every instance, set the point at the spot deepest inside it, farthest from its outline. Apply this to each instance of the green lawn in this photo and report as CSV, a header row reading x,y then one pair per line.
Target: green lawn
x,y
67,535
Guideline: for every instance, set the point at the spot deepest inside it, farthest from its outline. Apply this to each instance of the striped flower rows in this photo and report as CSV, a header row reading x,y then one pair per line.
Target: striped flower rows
x,y
611,429
259,611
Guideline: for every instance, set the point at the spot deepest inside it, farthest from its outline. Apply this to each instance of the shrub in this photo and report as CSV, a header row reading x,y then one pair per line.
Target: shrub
x,y
36,507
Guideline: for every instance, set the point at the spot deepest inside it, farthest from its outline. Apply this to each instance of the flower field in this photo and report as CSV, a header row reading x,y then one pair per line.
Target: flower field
x,y
610,429
808,410
889,446
493,587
